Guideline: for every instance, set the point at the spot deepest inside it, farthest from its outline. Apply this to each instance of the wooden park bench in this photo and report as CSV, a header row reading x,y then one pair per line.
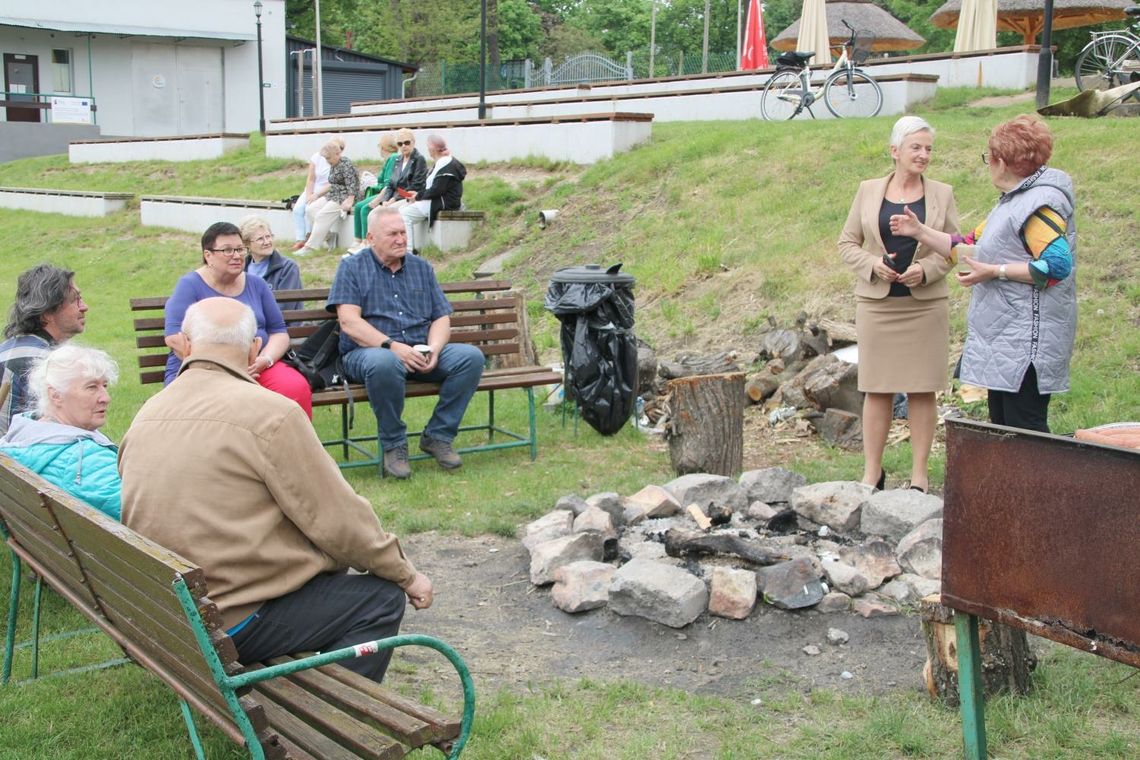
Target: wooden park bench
x,y
488,315
155,606
69,202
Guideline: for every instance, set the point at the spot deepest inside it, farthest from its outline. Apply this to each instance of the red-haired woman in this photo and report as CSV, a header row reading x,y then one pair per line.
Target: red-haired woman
x,y
1020,263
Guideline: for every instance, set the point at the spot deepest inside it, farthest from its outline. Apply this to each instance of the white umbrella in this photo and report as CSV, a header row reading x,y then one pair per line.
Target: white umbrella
x,y
977,26
813,31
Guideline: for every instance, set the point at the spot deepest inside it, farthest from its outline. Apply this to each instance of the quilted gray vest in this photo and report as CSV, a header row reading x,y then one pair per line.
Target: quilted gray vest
x,y
1011,325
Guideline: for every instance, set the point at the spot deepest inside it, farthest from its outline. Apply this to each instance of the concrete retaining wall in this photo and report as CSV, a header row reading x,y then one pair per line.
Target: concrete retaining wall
x,y
189,148
583,140
71,203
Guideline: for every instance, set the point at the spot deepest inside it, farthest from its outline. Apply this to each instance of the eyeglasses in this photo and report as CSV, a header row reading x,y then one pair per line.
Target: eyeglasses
x,y
402,143
231,252
986,157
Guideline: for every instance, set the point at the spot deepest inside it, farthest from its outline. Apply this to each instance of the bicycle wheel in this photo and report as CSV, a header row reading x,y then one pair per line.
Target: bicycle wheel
x,y
852,94
782,96
1102,64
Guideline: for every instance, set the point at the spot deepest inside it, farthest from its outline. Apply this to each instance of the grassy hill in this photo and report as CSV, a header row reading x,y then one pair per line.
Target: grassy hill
x,y
723,225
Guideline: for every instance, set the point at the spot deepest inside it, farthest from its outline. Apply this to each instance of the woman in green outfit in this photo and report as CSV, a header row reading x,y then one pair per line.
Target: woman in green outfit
x,y
372,196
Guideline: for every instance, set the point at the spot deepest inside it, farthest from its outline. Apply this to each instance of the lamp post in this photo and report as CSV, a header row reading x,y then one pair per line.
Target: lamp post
x,y
260,72
483,60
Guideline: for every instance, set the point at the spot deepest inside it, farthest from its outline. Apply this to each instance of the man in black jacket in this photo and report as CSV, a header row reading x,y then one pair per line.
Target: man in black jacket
x,y
444,191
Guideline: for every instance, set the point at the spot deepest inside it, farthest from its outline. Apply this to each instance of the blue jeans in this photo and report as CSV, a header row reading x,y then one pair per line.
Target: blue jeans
x,y
459,369
301,226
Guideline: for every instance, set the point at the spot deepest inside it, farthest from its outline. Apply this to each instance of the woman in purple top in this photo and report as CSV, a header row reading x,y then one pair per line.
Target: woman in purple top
x,y
222,274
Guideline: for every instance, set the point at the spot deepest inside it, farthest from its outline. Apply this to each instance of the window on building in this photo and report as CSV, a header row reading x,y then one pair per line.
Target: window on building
x,y
61,70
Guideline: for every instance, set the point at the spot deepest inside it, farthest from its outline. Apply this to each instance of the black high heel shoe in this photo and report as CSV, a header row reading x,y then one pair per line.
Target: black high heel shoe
x,y
882,482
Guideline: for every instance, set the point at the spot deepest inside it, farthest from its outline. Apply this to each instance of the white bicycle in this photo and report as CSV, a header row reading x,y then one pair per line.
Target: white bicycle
x,y
847,92
1111,58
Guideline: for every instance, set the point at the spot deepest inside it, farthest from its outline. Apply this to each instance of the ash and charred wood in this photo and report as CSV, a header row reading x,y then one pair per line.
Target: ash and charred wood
x,y
681,543
687,365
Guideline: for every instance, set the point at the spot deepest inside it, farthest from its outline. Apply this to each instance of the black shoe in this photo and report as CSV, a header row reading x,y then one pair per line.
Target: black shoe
x,y
920,489
882,482
442,451
396,462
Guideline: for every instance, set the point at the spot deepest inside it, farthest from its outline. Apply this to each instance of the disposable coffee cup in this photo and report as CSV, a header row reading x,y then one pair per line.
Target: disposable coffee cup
x,y
422,350
962,265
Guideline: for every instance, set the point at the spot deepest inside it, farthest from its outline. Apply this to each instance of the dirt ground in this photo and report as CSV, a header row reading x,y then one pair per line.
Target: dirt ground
x,y
512,636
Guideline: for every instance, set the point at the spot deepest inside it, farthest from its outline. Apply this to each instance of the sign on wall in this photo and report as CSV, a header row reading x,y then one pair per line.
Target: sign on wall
x,y
70,110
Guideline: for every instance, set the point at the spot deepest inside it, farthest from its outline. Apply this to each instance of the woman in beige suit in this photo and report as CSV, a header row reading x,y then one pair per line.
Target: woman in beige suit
x,y
902,314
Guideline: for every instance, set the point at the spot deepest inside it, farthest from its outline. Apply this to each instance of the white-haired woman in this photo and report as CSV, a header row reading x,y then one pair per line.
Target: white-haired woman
x,y
60,440
344,186
263,260
902,313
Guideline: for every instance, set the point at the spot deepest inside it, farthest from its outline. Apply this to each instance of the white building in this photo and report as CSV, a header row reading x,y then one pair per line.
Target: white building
x,y
150,67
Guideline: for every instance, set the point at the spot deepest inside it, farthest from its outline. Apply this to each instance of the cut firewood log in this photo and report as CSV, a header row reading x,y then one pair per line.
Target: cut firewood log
x,y
840,333
686,365
706,432
1007,659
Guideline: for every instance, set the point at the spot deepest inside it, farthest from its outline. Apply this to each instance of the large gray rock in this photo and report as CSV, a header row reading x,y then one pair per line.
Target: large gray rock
x,y
909,589
703,488
572,502
771,485
840,428
658,592
844,577
548,556
834,601
732,592
610,503
920,551
875,561
582,586
836,504
554,524
894,513
790,585
594,519
654,501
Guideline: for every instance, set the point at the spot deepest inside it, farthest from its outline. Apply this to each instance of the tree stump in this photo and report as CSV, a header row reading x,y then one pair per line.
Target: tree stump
x,y
707,428
1006,657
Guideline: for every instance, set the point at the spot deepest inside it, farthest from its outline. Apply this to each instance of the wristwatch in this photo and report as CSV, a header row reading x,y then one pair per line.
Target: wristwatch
x,y
387,343
1001,273
268,361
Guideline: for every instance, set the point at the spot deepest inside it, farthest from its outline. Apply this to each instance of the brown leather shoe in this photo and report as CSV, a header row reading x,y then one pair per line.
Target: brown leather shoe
x,y
442,451
396,462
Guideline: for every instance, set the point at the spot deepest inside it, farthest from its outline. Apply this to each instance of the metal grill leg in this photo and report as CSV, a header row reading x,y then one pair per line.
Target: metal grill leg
x,y
971,698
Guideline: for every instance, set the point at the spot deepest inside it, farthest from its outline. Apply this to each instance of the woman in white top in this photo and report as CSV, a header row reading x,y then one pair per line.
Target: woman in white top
x,y
316,186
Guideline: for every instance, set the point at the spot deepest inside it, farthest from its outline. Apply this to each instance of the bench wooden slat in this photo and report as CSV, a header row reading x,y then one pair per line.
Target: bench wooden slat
x,y
407,728
462,320
356,739
295,732
445,727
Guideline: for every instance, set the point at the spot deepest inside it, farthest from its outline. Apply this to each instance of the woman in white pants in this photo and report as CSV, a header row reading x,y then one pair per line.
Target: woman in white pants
x,y
316,185
344,185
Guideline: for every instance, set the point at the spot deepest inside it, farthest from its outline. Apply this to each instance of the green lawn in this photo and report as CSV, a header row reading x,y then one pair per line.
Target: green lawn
x,y
723,224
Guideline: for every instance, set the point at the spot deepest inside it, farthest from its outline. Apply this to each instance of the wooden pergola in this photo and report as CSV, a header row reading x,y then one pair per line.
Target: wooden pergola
x,y
888,32
1027,17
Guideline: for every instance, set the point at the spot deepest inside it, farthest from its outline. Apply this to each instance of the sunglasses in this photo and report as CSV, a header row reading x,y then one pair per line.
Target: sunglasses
x,y
402,143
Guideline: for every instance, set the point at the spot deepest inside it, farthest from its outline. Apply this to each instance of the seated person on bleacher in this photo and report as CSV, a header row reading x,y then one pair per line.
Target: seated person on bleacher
x,y
387,302
60,440
236,480
444,191
409,173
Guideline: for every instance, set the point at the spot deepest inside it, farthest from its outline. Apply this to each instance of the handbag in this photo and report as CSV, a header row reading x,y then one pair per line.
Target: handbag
x,y
318,357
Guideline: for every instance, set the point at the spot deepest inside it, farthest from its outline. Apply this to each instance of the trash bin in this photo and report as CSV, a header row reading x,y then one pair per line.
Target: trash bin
x,y
599,350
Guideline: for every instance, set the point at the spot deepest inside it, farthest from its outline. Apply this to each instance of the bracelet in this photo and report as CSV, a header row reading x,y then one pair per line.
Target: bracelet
x,y
1001,273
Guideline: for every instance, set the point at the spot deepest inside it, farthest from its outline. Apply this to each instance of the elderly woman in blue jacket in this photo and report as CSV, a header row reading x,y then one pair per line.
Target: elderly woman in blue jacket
x,y
60,440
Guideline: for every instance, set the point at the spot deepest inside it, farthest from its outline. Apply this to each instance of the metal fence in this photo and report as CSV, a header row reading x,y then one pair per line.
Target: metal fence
x,y
444,78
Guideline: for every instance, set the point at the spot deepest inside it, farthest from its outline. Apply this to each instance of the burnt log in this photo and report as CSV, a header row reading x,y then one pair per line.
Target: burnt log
x,y
1007,660
681,543
706,432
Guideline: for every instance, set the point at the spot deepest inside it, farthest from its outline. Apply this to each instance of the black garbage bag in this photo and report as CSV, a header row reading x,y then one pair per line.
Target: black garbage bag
x,y
599,349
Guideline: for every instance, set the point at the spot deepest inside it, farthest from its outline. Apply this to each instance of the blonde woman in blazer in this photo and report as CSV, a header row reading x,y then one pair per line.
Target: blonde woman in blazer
x,y
902,314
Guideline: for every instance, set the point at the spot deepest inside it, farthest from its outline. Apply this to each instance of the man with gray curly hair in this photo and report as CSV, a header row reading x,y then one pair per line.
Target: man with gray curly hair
x,y
48,310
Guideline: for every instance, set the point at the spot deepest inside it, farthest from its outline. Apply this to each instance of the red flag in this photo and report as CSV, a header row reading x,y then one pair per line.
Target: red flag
x,y
755,53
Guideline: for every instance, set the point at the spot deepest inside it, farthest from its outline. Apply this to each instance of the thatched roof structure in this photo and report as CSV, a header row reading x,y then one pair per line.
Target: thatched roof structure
x,y
1027,17
889,33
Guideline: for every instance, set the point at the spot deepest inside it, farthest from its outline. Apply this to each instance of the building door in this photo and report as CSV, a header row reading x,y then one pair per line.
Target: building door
x,y
21,82
178,90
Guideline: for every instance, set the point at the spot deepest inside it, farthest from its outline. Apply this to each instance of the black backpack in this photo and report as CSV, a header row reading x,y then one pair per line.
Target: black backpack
x,y
318,357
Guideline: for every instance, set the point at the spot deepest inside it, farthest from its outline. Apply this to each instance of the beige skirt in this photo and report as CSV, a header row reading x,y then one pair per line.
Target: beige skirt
x,y
904,344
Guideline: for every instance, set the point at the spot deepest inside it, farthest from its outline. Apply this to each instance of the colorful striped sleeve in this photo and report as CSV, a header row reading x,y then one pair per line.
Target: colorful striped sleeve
x,y
1044,238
